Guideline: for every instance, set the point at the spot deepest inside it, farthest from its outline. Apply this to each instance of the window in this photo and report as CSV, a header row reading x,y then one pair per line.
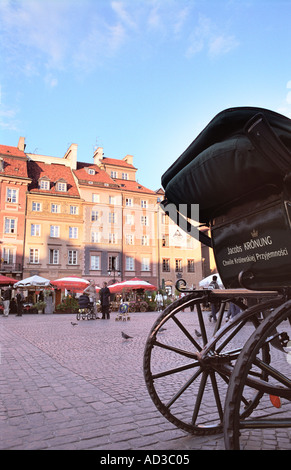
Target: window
x,y
61,186
178,266
73,232
8,256
11,195
72,257
94,216
129,219
10,225
190,266
36,206
112,238
129,240
124,176
128,202
44,184
54,256
33,255
95,262
54,231
111,199
91,171
95,237
55,208
145,240
74,210
165,240
113,174
112,217
35,230
113,263
144,204
166,265
95,197
144,220
129,263
145,264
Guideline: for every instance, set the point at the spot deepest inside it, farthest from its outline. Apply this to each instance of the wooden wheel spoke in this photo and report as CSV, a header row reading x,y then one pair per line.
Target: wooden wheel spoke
x,y
216,394
183,388
273,372
186,333
182,352
199,397
175,370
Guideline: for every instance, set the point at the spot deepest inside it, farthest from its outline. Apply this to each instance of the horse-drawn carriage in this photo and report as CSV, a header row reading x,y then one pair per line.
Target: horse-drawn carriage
x,y
206,377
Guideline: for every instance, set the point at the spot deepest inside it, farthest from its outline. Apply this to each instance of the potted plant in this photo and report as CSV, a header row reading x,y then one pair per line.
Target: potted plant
x,y
39,306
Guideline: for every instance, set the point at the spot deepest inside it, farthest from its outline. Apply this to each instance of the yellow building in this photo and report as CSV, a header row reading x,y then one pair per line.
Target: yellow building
x,y
94,220
54,222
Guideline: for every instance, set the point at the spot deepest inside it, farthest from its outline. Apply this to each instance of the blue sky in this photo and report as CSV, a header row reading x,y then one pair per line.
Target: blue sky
x,y
139,77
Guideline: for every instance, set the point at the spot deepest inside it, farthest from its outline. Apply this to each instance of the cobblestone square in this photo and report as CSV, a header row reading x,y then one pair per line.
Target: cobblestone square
x,y
82,387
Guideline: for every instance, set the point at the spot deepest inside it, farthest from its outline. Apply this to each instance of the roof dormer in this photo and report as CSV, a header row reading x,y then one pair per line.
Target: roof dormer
x,y
44,183
61,185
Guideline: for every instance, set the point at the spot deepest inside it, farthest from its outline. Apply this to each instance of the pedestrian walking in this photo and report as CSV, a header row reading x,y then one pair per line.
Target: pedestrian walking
x,y
160,301
19,302
6,301
105,301
216,304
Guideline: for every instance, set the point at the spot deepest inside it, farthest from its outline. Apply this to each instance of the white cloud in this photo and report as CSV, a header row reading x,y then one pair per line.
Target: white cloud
x,y
206,36
122,14
8,119
220,45
33,32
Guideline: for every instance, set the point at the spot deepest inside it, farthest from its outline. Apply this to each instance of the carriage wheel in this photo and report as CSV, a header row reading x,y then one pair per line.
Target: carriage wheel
x,y
275,407
186,375
78,316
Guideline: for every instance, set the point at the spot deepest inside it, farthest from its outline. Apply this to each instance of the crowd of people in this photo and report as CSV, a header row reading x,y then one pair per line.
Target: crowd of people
x,y
14,303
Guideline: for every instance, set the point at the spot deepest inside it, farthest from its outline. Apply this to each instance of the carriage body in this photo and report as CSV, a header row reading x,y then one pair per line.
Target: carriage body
x,y
238,171
252,245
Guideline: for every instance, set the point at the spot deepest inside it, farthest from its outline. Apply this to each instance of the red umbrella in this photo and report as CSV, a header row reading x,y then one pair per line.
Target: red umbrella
x,y
132,284
5,281
71,283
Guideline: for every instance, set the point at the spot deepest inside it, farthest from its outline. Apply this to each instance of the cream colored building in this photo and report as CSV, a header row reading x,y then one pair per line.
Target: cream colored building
x,y
96,221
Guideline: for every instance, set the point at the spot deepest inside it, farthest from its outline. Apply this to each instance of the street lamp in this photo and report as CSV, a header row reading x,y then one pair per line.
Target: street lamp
x,y
113,270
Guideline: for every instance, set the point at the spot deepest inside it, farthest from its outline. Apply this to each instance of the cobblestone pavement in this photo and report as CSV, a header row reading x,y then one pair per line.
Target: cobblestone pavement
x,y
82,387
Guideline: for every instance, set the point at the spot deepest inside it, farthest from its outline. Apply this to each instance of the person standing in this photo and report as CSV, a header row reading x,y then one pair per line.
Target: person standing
x,y
19,301
216,304
91,291
105,301
159,300
6,301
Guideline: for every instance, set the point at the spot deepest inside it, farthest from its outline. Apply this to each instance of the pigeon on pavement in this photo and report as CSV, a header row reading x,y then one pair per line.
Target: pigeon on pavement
x,y
125,336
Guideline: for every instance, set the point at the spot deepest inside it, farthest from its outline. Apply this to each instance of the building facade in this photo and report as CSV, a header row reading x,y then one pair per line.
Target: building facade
x,y
92,220
14,182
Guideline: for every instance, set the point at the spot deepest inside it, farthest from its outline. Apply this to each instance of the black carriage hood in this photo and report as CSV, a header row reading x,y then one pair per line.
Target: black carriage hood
x,y
225,161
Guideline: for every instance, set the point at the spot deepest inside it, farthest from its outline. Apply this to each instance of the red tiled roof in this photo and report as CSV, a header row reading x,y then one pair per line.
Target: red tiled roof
x,y
100,175
15,167
116,162
11,151
54,172
129,185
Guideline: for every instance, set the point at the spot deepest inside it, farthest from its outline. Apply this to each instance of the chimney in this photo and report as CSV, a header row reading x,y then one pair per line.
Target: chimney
x,y
128,159
98,156
71,156
21,144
